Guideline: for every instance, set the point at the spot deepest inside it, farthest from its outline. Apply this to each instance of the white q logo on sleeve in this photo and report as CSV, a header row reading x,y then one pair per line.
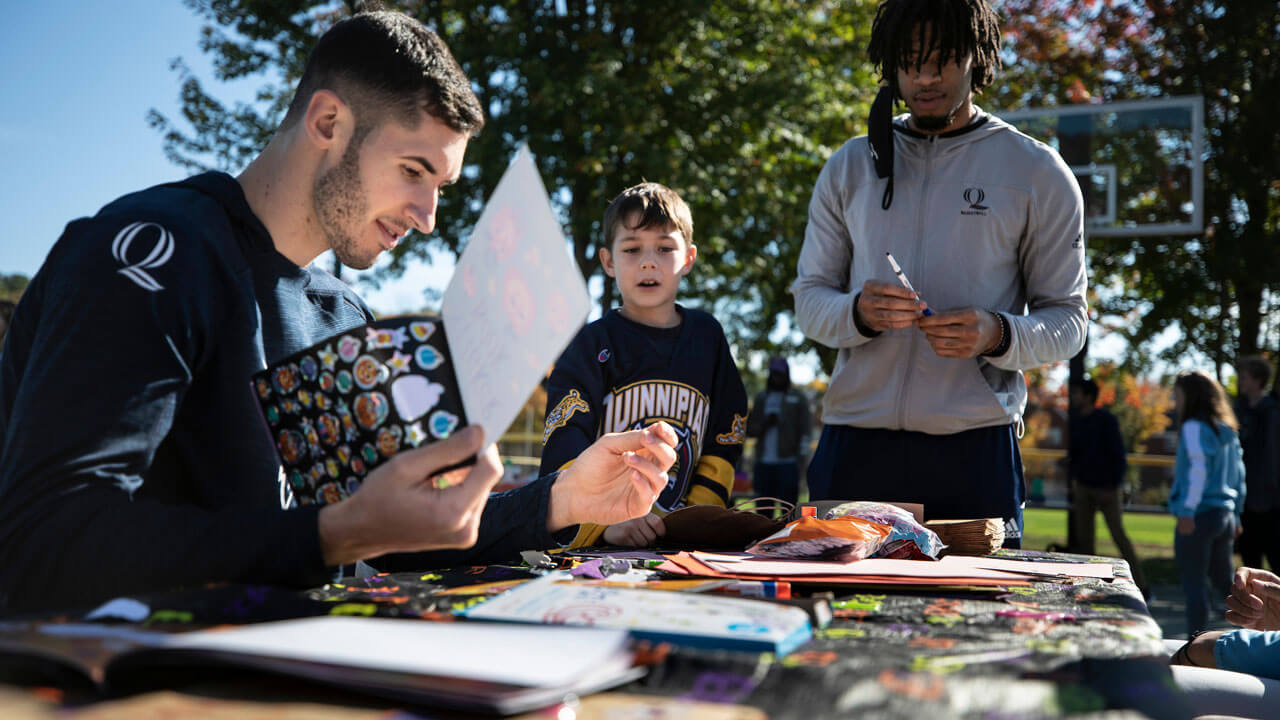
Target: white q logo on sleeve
x,y
159,255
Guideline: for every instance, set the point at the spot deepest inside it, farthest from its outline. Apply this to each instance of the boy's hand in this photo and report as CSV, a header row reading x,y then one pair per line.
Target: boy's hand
x,y
617,478
1186,525
1254,601
400,509
884,306
639,532
960,333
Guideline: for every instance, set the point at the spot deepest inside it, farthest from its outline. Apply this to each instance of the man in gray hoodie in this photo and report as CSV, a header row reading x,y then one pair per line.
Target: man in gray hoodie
x,y
926,397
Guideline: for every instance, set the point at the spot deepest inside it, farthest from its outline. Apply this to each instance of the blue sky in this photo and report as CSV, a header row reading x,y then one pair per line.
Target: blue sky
x,y
78,79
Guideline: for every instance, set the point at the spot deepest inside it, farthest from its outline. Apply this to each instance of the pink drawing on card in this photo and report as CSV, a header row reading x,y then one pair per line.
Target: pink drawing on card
x,y
557,311
468,282
504,234
518,302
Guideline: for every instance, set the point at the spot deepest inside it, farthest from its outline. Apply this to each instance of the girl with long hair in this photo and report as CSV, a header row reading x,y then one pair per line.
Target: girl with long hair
x,y
1208,491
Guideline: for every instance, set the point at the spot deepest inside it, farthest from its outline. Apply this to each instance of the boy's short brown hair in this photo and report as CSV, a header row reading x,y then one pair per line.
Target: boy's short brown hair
x,y
657,205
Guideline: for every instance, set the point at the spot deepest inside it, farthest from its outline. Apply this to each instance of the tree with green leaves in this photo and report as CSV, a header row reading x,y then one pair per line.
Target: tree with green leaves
x,y
736,104
1219,286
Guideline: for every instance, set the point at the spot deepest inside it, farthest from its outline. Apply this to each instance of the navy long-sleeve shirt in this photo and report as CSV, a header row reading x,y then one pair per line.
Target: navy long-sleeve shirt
x,y
134,456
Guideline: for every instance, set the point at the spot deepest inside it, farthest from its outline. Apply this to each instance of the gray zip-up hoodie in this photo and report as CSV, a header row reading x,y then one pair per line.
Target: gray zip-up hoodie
x,y
984,216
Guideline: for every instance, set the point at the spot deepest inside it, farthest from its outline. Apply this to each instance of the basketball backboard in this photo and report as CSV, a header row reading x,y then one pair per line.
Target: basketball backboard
x,y
1140,163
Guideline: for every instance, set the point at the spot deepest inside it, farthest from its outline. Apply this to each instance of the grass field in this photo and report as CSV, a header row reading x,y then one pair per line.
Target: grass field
x,y
1151,534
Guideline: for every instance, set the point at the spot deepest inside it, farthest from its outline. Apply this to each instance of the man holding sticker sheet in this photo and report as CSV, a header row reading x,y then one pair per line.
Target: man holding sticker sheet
x,y
988,225
134,455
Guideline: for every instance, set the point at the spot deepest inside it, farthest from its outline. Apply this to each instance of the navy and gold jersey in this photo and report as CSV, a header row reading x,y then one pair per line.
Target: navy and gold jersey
x,y
620,375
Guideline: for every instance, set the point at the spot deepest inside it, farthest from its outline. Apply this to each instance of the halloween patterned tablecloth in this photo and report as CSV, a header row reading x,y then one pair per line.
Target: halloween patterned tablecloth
x,y
1074,649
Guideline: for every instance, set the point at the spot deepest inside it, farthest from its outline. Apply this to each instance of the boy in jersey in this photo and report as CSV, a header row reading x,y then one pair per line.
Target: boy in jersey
x,y
649,360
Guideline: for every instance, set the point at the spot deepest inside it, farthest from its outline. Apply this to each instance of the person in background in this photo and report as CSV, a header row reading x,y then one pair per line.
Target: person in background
x,y
779,420
1208,492
1259,416
1097,466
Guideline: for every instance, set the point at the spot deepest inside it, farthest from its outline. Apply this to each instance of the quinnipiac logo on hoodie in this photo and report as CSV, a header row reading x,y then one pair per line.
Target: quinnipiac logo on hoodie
x,y
974,197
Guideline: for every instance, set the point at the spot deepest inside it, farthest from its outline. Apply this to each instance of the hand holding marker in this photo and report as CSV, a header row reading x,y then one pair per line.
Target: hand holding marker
x,y
902,278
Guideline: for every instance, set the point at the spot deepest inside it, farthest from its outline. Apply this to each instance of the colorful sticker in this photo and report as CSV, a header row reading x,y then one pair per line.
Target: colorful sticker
x,y
348,348
399,363
352,486
304,398
309,368
285,379
357,465
317,473
371,409
421,330
415,396
442,423
273,414
313,438
413,434
344,382
326,381
292,446
343,453
368,372
322,401
330,493
289,406
296,480
349,431
379,338
264,389
369,452
427,357
389,440
328,357
331,467
330,429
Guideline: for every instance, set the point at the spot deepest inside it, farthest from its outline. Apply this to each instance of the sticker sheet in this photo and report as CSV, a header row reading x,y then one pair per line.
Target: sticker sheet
x,y
340,408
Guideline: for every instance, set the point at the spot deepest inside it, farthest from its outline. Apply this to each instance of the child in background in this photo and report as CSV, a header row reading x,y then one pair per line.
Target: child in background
x,y
650,359
1208,491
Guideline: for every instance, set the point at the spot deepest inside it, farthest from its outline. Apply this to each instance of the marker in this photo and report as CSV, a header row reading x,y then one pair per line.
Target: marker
x,y
758,588
902,278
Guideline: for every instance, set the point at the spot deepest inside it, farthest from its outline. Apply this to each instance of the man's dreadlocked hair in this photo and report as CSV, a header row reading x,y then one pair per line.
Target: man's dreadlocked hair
x,y
954,27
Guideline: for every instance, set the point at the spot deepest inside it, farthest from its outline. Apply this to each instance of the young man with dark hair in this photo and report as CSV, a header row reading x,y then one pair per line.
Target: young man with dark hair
x,y
647,360
925,401
1259,416
134,455
1096,469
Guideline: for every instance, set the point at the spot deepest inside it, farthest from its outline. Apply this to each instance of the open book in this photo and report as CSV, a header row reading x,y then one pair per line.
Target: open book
x,y
340,408
482,667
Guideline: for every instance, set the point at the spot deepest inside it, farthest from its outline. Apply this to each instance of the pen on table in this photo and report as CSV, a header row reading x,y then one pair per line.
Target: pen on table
x,y
902,278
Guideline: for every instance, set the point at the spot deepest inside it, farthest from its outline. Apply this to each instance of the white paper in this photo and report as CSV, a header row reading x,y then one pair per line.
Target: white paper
x,y
527,655
515,301
869,566
1102,571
